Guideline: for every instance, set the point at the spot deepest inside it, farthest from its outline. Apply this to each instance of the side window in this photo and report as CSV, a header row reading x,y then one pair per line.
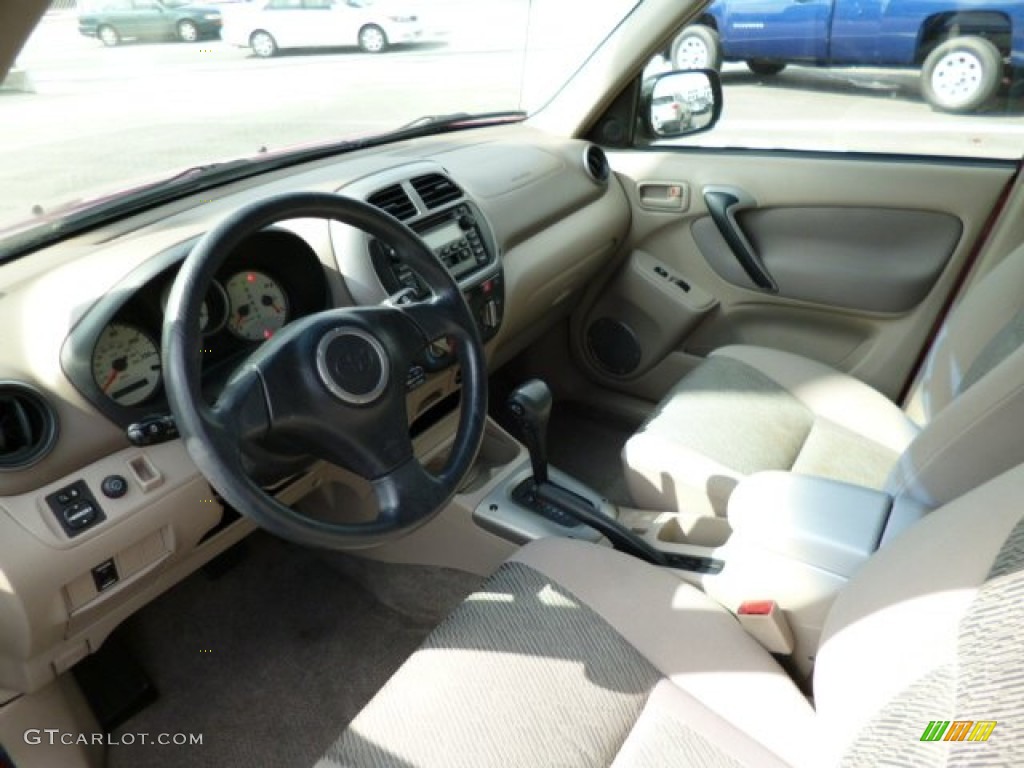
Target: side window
x,y
284,5
929,77
318,5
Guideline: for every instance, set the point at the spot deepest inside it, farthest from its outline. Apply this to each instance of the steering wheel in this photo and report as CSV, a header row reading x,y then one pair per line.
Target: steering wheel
x,y
327,386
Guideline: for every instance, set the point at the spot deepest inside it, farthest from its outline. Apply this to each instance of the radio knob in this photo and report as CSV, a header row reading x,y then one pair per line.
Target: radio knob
x,y
466,222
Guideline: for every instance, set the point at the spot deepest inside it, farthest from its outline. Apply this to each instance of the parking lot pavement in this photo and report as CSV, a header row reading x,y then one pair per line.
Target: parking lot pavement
x,y
214,100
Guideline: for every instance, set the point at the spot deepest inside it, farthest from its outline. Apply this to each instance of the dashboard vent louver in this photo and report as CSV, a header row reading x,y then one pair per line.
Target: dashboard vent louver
x,y
435,190
28,426
393,200
596,163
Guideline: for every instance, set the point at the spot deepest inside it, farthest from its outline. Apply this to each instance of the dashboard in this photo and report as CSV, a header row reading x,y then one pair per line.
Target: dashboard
x,y
94,481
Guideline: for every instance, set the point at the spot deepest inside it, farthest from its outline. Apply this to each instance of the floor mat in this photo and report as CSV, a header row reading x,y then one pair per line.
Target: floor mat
x,y
586,444
269,661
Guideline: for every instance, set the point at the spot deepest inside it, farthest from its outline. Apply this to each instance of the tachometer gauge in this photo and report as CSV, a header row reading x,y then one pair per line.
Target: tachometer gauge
x,y
257,305
126,364
212,312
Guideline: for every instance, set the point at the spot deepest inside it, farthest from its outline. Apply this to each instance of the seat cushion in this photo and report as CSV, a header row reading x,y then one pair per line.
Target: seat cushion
x,y
750,409
556,662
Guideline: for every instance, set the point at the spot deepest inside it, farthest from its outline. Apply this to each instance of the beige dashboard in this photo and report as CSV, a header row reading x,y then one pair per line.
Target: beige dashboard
x,y
553,224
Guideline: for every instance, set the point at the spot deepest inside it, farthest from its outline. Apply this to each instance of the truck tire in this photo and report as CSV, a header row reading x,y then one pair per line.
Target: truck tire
x,y
962,74
696,47
765,66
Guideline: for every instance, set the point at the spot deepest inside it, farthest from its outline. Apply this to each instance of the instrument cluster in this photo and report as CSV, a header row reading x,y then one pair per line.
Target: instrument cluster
x,y
115,356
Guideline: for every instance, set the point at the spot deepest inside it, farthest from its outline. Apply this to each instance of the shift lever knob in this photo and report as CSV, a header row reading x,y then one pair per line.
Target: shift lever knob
x,y
530,405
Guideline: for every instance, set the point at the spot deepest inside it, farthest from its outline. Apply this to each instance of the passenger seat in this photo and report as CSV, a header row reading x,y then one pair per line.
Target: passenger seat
x,y
747,409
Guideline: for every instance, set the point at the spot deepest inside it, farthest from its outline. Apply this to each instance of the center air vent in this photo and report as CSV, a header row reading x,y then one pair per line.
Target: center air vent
x,y
435,190
393,200
28,426
596,163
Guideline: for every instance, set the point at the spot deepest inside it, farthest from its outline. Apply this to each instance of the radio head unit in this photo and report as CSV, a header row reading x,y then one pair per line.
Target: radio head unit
x,y
456,238
463,243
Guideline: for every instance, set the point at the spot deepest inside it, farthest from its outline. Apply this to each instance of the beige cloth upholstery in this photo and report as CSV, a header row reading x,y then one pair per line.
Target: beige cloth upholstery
x,y
960,427
850,433
904,612
927,630
694,642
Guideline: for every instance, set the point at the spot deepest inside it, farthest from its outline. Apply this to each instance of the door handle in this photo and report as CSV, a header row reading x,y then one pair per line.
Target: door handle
x,y
723,204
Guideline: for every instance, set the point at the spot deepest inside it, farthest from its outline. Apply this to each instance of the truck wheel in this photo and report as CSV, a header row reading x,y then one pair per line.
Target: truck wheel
x,y
765,66
961,74
697,47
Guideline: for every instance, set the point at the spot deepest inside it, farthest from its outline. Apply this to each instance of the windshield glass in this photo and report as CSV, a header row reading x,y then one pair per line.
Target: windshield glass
x,y
107,95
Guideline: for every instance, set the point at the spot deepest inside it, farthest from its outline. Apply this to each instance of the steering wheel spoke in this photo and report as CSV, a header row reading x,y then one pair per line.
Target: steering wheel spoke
x,y
242,406
407,494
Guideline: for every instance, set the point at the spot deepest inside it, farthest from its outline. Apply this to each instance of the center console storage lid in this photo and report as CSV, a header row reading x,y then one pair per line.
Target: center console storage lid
x,y
825,523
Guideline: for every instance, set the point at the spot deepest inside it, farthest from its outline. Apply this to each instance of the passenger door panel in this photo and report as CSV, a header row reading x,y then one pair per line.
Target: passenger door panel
x,y
872,259
864,252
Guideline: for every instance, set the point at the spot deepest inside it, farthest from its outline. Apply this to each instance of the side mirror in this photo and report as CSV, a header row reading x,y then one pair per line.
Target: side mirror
x,y
681,103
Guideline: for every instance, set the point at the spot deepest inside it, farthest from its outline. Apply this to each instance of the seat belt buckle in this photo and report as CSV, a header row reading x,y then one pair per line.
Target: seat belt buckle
x,y
765,622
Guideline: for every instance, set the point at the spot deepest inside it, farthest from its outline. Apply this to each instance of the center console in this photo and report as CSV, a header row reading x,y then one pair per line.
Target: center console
x,y
423,197
428,201
791,539
459,240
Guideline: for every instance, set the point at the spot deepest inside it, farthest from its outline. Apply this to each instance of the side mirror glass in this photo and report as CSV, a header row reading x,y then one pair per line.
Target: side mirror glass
x,y
683,102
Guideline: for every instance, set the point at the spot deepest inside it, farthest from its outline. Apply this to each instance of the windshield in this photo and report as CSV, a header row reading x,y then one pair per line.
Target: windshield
x,y
108,95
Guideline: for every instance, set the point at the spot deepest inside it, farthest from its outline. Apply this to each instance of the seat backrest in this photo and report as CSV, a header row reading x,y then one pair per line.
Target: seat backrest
x,y
970,399
930,632
981,331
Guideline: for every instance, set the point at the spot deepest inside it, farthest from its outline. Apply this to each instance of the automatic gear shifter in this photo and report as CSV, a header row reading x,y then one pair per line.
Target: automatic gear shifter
x,y
530,405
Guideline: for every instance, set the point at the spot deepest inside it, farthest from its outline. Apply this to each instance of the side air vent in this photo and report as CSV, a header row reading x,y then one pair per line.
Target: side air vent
x,y
436,190
393,200
596,163
28,426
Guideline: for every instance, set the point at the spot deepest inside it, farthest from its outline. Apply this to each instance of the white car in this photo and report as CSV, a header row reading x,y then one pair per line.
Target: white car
x,y
276,24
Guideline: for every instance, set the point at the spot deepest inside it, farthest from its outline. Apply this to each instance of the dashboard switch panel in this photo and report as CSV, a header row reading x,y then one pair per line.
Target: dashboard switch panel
x,y
75,508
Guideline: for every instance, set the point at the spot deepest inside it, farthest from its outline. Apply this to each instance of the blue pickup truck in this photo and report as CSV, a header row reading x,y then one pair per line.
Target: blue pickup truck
x,y
965,49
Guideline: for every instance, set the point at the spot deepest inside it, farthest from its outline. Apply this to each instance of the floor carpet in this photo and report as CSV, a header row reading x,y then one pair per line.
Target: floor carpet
x,y
271,659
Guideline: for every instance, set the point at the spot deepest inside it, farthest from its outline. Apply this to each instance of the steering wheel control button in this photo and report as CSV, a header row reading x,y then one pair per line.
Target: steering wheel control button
x,y
105,575
352,365
75,508
114,486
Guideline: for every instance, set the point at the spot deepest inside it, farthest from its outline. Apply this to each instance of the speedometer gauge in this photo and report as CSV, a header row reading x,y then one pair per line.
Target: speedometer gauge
x,y
126,364
257,305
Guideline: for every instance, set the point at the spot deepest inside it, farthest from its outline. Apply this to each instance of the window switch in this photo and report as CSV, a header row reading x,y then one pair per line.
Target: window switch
x,y
105,575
